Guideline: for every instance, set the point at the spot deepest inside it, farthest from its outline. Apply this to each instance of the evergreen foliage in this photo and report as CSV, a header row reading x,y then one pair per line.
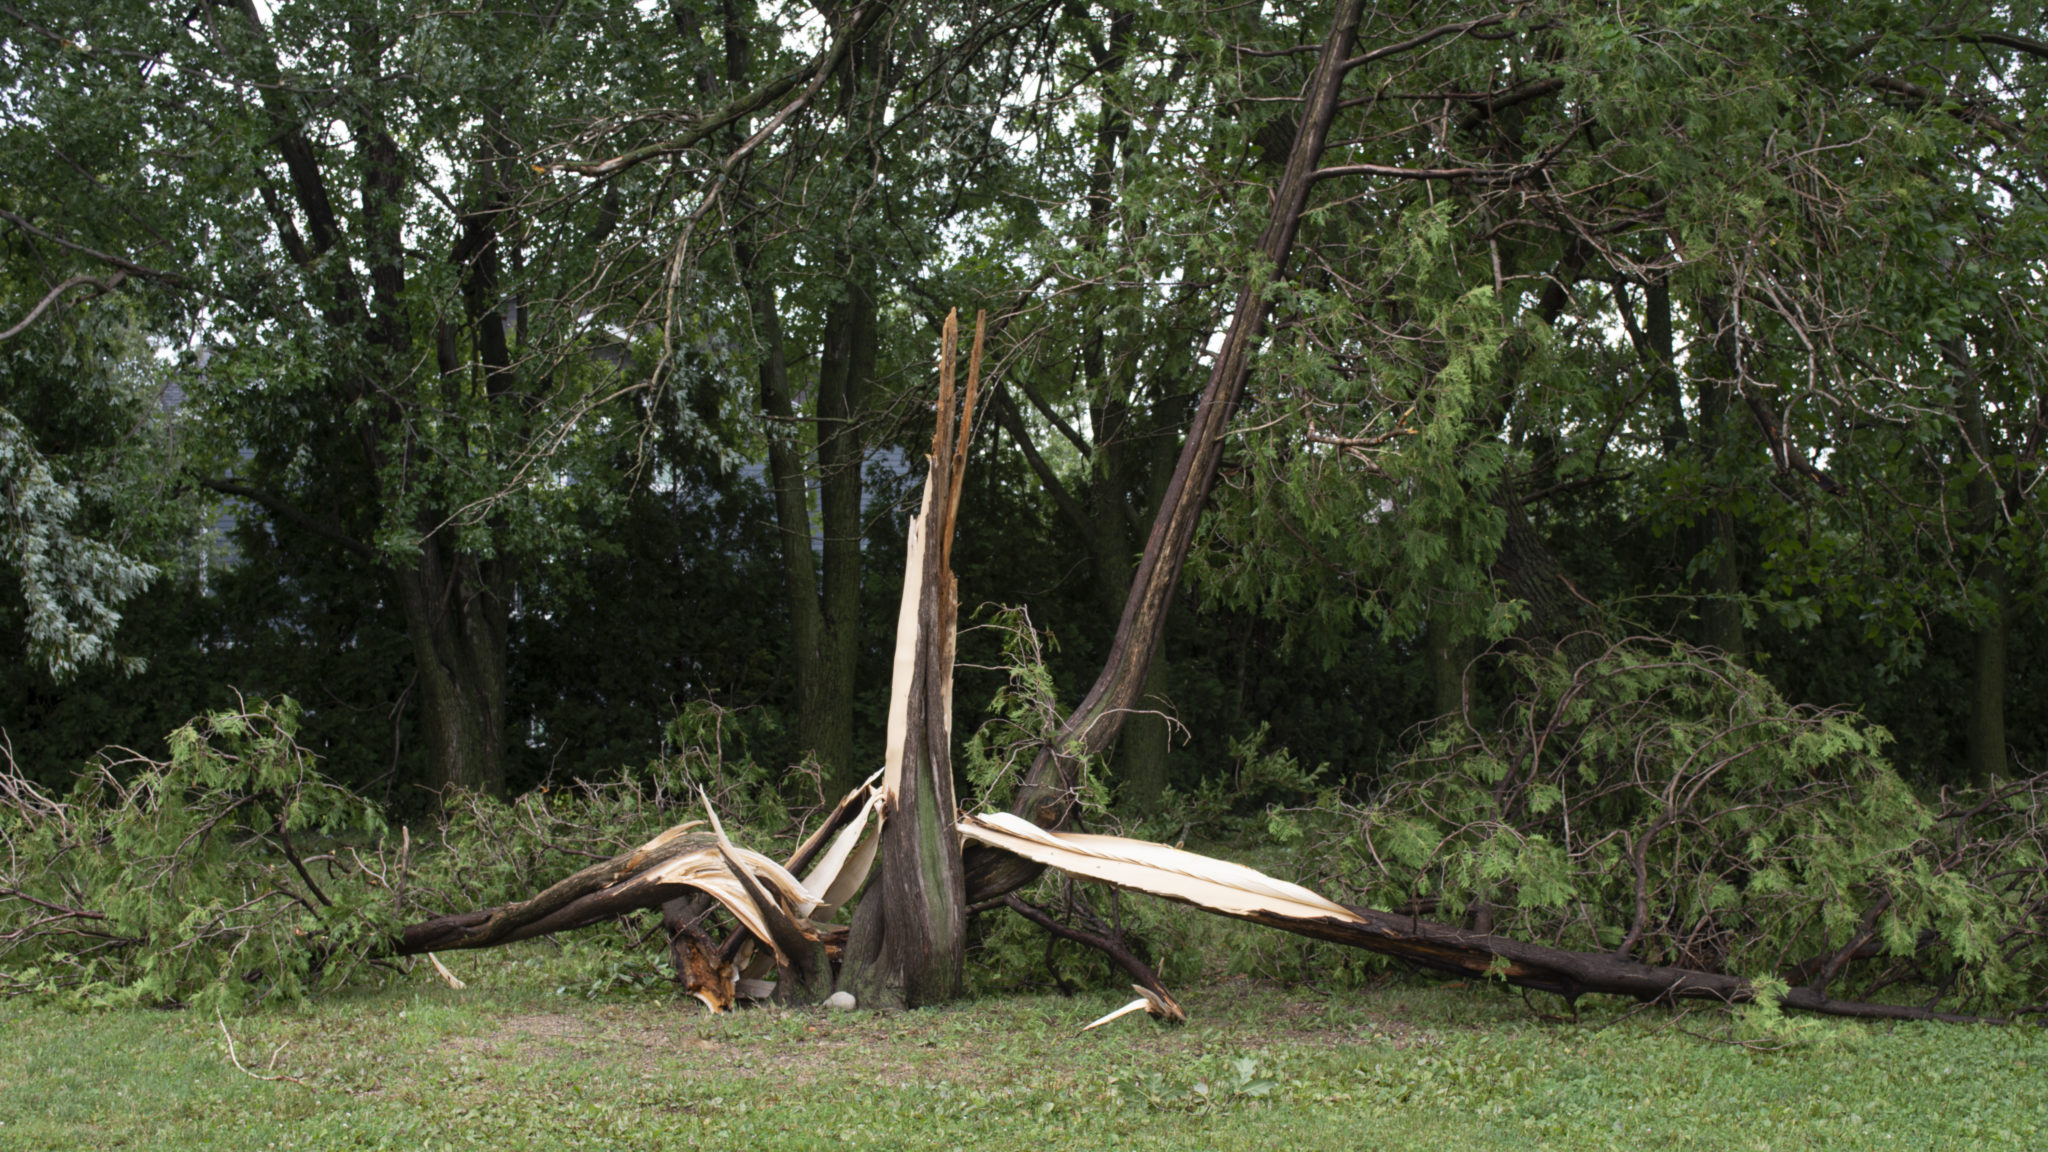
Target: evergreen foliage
x,y
1667,804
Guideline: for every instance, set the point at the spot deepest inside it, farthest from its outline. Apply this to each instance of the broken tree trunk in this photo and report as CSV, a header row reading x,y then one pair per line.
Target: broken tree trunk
x,y
907,946
1048,788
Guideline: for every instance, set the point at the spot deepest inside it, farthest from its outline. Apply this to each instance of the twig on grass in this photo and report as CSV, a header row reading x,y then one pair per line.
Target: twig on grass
x,y
269,1073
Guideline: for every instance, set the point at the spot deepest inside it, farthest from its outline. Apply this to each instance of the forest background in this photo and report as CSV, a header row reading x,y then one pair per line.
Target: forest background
x,y
501,383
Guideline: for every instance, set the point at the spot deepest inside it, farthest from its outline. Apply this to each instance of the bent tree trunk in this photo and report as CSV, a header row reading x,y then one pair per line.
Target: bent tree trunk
x,y
1048,788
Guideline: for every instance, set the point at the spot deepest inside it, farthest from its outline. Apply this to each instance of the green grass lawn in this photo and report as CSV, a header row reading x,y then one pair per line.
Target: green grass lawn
x,y
510,1063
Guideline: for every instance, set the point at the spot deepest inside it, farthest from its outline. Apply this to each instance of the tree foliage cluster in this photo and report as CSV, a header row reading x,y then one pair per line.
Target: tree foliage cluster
x,y
1667,805
234,871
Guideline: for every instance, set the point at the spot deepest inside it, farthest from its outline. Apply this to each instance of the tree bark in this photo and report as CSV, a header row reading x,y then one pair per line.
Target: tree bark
x,y
1986,747
1480,955
846,368
455,609
1048,788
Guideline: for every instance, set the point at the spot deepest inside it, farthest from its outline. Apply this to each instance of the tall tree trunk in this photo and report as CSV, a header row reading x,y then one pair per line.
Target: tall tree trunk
x,y
1986,750
455,609
1048,789
787,482
787,479
455,603
1120,452
845,369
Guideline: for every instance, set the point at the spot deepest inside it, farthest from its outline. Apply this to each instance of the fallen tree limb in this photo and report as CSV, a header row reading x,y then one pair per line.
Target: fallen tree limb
x,y
647,878
1242,893
683,873
1107,944
596,893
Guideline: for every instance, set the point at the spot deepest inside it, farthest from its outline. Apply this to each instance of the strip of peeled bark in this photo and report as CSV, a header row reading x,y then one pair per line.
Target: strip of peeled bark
x,y
1048,788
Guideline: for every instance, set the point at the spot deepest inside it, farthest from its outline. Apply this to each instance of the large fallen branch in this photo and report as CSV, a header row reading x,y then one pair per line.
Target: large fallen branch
x,y
1243,893
787,916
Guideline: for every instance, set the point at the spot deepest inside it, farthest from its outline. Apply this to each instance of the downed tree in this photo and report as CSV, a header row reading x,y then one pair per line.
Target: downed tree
x,y
1507,832
1654,823
1244,894
190,882
1718,830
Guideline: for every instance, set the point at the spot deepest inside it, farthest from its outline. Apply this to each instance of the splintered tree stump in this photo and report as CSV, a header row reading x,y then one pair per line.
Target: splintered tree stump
x,y
907,946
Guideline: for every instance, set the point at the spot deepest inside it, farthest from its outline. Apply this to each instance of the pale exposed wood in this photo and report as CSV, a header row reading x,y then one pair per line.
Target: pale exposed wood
x,y
904,666
1151,1003
1217,885
841,812
1138,1005
844,868
442,971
